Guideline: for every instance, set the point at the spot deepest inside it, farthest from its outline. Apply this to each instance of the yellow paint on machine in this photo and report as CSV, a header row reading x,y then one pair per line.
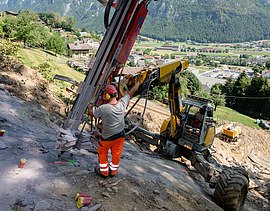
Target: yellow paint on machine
x,y
164,125
165,70
209,138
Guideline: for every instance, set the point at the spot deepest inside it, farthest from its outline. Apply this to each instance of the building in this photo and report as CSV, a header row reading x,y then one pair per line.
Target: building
x,y
83,34
169,48
81,51
132,70
190,54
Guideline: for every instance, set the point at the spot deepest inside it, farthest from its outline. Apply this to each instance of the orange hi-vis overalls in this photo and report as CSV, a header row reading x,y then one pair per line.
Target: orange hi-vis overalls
x,y
113,124
116,147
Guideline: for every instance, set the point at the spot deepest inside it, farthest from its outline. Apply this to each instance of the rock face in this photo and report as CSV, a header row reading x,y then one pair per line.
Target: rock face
x,y
201,21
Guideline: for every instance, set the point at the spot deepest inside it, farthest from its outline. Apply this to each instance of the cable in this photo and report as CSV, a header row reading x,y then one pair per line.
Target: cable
x,y
137,125
107,14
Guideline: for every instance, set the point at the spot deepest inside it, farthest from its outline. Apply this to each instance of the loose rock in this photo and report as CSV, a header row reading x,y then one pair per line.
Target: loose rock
x,y
106,194
96,207
156,191
135,192
42,205
2,145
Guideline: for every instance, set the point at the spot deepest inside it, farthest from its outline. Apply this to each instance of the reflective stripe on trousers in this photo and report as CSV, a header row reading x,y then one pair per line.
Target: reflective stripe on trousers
x,y
116,148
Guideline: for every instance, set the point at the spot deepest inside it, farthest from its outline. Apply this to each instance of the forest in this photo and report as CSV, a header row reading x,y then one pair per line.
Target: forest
x,y
205,21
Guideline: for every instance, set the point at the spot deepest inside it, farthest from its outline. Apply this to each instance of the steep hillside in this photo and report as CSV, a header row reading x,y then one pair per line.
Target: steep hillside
x,y
203,21
145,181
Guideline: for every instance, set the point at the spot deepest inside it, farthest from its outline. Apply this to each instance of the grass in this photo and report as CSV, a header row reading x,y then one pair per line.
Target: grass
x,y
35,57
253,53
227,114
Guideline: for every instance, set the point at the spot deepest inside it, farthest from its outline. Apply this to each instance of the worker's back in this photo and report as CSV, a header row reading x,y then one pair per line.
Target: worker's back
x,y
112,117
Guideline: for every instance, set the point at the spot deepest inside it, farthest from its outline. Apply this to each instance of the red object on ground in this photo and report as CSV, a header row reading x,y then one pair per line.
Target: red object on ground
x,y
81,195
84,201
22,163
2,132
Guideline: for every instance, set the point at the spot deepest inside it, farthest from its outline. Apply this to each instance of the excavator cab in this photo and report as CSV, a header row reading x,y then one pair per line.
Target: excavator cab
x,y
197,128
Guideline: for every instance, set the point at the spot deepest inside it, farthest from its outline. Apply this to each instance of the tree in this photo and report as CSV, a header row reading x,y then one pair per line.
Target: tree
x,y
27,27
57,44
8,48
166,56
193,83
198,62
241,85
10,26
1,28
216,95
132,64
147,51
257,69
69,23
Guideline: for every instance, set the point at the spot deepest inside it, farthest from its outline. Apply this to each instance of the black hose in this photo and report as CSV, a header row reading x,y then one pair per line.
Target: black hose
x,y
107,14
145,105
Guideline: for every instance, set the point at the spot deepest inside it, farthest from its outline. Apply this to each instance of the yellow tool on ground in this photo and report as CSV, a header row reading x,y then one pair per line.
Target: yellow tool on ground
x,y
230,132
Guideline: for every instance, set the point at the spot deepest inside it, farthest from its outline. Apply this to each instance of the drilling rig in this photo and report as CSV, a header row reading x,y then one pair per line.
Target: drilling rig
x,y
178,134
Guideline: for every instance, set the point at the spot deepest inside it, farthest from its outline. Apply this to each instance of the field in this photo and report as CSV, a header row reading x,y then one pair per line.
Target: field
x,y
226,114
34,57
232,52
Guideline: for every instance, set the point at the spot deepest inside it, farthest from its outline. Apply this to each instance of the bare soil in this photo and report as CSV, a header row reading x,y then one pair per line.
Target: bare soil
x,y
29,112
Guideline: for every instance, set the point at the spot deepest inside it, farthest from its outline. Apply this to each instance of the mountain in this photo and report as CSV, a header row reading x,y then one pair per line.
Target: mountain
x,y
198,20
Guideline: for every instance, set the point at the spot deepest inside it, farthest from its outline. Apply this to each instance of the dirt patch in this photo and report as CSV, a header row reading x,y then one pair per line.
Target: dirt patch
x,y
29,85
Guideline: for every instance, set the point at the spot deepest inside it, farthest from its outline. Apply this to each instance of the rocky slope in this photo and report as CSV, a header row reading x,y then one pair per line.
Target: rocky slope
x,y
146,181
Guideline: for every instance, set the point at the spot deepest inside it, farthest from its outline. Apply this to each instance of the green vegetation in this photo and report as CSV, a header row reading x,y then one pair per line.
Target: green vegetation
x,y
249,96
8,48
34,58
216,95
54,20
227,114
200,21
27,28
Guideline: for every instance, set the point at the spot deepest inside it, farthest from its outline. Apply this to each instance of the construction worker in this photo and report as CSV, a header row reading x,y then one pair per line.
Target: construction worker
x,y
198,118
112,115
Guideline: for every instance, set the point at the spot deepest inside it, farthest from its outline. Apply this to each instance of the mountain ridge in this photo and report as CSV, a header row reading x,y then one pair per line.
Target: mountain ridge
x,y
201,21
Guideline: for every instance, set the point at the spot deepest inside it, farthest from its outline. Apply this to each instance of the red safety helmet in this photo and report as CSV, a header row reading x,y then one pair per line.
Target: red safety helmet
x,y
110,89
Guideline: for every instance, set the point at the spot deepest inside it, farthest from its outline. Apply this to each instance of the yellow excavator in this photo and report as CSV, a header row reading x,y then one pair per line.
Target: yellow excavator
x,y
185,133
182,134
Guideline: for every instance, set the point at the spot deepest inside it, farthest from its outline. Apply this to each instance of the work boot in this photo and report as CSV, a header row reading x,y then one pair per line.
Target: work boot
x,y
110,173
97,170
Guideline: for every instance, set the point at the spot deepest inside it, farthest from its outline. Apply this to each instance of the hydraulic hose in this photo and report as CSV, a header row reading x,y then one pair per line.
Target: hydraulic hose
x,y
107,14
145,104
